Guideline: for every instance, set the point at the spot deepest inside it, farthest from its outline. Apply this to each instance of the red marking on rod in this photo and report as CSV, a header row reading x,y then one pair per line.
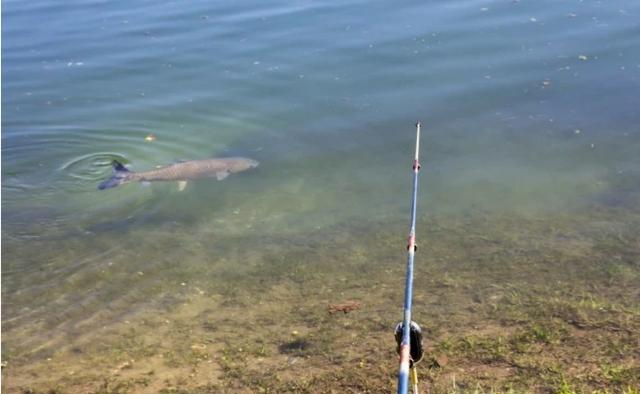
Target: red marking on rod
x,y
404,354
411,241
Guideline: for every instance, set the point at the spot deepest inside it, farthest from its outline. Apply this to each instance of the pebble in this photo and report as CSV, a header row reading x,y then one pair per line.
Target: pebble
x,y
441,360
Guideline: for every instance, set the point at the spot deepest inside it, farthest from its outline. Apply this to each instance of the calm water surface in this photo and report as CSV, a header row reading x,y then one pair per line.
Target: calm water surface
x,y
527,107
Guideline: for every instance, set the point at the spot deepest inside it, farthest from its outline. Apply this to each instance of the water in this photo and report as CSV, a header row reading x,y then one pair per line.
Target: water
x,y
528,108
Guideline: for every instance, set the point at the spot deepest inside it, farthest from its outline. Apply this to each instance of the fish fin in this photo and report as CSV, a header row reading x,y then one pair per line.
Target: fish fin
x,y
182,185
120,176
117,166
220,175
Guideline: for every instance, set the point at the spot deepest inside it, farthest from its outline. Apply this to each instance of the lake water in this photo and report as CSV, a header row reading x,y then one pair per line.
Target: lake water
x,y
528,108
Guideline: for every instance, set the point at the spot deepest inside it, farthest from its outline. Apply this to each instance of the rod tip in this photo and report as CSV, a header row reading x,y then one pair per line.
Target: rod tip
x,y
418,124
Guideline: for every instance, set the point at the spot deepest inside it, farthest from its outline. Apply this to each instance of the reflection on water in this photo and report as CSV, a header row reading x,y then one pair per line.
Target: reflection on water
x,y
529,111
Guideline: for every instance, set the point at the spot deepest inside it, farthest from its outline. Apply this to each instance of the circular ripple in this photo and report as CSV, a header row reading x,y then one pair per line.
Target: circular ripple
x,y
92,166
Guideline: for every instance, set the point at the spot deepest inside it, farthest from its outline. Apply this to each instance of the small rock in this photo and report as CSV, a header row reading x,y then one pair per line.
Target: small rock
x,y
125,365
438,361
442,360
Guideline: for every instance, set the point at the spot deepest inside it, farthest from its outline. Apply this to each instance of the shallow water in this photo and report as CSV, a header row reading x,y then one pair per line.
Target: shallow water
x,y
528,108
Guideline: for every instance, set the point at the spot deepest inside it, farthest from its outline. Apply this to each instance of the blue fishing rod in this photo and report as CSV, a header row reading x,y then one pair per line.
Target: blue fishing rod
x,y
408,334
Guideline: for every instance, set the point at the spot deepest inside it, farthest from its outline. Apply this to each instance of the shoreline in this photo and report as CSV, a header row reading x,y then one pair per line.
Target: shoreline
x,y
507,303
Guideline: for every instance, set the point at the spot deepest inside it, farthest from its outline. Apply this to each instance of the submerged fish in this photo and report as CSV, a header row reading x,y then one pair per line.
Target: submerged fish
x,y
181,172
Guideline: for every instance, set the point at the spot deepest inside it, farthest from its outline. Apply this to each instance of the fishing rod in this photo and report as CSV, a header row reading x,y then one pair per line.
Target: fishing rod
x,y
408,334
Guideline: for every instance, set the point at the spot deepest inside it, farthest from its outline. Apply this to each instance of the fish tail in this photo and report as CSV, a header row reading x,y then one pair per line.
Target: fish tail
x,y
120,175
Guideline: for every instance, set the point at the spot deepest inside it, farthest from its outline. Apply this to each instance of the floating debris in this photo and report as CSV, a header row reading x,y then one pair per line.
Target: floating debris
x,y
150,138
583,57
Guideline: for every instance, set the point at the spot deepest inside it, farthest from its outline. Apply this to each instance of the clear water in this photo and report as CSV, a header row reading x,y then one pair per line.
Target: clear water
x,y
530,107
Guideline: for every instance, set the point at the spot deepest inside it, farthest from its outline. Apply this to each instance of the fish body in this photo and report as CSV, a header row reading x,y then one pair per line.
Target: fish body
x,y
181,172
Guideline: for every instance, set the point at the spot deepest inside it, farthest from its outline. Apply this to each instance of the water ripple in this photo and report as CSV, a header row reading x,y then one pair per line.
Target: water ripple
x,y
91,167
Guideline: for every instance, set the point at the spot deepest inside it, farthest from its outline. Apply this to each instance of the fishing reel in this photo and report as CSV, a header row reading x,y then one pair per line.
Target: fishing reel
x,y
416,350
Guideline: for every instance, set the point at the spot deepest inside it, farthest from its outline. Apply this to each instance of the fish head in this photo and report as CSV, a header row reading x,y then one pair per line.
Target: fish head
x,y
242,164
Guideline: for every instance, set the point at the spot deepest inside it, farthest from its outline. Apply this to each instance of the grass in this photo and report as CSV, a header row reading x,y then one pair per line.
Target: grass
x,y
508,304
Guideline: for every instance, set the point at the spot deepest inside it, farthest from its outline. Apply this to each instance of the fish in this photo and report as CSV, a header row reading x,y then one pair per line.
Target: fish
x,y
181,172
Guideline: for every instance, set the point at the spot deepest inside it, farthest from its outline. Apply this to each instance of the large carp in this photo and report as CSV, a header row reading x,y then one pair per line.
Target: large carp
x,y
181,172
